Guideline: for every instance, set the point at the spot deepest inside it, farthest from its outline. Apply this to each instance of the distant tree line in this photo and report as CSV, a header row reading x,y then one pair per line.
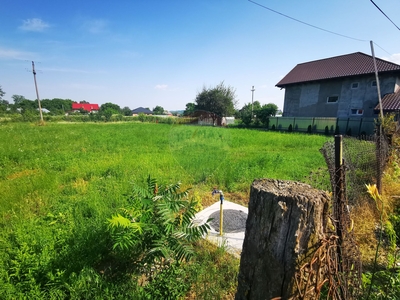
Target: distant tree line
x,y
218,101
55,106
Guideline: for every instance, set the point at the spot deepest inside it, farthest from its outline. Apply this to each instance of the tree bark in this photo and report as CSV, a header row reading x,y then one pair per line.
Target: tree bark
x,y
286,220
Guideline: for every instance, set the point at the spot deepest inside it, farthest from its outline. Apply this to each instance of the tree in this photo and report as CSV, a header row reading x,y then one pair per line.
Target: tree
x,y
107,113
2,93
126,111
219,101
18,99
190,108
245,114
26,104
3,103
114,108
266,111
57,106
158,110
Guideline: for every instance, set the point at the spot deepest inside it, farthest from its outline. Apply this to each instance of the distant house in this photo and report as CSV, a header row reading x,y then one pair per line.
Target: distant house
x,y
341,86
167,113
76,107
141,110
44,110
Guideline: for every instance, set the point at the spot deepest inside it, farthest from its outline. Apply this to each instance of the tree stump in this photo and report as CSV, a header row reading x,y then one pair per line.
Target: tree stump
x,y
286,220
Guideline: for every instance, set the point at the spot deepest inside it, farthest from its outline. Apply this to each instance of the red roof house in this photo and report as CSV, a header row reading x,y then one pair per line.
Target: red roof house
x,y
85,106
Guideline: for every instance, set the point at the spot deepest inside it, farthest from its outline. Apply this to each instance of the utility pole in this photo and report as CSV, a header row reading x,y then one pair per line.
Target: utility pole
x,y
378,88
37,92
252,97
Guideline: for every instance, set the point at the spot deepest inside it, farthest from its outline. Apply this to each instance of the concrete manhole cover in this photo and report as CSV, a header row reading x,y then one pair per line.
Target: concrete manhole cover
x,y
234,220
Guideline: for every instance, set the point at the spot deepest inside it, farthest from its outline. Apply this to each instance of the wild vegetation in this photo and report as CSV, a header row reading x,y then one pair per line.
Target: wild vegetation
x,y
63,184
79,218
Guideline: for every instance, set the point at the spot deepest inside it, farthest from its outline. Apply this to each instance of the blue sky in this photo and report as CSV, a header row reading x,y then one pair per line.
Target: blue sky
x,y
152,52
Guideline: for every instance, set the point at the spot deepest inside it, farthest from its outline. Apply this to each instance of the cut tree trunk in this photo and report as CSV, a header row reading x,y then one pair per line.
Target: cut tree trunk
x,y
286,221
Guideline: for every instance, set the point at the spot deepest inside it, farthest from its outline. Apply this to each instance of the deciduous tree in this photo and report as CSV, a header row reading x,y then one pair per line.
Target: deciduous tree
x,y
158,110
190,108
126,111
2,93
114,108
266,111
18,99
57,105
248,111
220,101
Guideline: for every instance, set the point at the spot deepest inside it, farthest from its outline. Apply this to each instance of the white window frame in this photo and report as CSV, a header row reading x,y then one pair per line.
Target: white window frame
x,y
355,85
356,112
332,96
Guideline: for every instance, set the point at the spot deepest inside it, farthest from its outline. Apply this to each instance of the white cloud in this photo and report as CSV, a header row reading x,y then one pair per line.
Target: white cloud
x,y
15,54
34,25
95,26
395,58
161,87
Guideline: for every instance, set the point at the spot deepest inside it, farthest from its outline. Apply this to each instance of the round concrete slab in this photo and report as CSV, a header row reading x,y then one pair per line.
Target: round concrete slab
x,y
233,220
234,229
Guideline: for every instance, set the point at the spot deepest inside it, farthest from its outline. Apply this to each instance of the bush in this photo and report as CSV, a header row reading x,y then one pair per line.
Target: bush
x,y
309,130
157,224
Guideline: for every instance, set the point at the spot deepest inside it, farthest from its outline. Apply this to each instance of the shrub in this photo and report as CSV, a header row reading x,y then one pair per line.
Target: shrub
x,y
157,224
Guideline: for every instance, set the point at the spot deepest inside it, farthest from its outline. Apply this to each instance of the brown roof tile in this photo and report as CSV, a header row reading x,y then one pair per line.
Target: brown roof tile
x,y
390,102
339,66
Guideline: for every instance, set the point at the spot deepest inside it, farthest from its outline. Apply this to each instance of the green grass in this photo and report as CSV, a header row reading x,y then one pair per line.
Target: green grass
x,y
60,182
74,161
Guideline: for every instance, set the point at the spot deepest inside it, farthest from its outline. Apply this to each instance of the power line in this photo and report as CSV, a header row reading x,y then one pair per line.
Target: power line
x,y
384,14
383,49
308,24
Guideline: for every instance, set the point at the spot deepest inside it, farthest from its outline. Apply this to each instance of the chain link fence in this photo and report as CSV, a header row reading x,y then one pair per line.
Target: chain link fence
x,y
352,163
364,160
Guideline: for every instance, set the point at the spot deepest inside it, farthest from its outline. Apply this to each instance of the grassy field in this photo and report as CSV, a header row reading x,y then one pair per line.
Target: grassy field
x,y
99,161
60,182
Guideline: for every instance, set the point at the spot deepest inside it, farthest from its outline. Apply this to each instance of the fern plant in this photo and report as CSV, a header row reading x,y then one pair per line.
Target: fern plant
x,y
157,224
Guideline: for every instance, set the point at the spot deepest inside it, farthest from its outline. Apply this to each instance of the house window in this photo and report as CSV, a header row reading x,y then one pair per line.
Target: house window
x,y
332,99
354,85
357,112
373,83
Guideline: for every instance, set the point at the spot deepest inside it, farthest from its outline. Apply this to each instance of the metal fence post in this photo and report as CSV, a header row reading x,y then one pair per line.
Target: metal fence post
x,y
379,158
339,185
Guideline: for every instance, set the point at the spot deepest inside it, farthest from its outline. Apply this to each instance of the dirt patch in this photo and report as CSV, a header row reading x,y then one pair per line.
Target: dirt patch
x,y
23,173
239,198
